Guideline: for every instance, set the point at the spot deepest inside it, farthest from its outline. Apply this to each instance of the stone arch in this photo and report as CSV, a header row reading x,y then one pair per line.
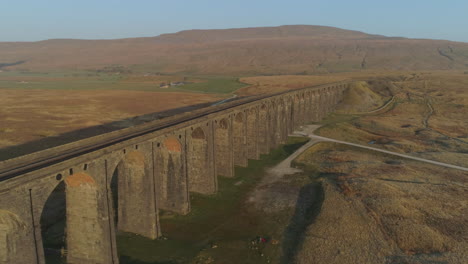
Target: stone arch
x,y
13,234
291,114
53,222
223,124
315,106
239,117
252,133
223,148
281,123
239,139
172,144
307,107
10,222
198,133
200,167
273,123
320,103
133,196
287,112
301,109
85,226
328,100
297,111
263,124
171,174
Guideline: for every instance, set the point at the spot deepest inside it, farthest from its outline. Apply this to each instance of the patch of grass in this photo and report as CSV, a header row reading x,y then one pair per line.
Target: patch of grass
x,y
92,83
94,80
222,219
215,85
6,130
334,118
46,133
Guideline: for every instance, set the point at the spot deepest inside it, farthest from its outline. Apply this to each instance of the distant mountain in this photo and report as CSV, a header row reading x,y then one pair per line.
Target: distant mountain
x,y
296,49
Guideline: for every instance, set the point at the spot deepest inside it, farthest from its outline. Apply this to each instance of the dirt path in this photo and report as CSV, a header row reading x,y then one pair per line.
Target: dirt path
x,y
274,192
429,114
276,173
284,168
309,131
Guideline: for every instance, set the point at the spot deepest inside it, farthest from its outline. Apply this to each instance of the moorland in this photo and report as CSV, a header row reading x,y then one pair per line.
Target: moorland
x,y
345,206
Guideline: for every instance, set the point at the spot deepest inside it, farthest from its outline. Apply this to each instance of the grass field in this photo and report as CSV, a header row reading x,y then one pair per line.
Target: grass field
x,y
93,80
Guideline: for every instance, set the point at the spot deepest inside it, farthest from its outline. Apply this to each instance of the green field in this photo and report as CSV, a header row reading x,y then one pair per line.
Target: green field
x,y
92,80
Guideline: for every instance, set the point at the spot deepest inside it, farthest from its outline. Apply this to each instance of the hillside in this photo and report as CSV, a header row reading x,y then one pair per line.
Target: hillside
x,y
270,50
359,98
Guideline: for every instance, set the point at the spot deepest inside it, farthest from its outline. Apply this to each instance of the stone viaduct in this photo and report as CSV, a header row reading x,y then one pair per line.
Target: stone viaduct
x,y
120,180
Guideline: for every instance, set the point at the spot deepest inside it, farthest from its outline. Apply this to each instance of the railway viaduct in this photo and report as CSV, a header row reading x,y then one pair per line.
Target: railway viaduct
x,y
120,180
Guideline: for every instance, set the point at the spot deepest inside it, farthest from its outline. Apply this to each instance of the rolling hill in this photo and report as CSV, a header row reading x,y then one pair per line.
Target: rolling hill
x,y
296,49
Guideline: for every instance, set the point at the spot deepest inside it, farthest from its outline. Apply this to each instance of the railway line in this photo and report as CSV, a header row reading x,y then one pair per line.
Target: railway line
x,y
17,166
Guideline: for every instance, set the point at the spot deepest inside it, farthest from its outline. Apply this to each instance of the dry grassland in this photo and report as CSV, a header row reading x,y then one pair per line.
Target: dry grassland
x,y
29,115
428,119
378,209
279,83
381,209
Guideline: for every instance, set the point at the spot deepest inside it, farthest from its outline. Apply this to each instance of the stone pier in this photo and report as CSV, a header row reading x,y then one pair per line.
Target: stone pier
x,y
201,160
171,174
223,143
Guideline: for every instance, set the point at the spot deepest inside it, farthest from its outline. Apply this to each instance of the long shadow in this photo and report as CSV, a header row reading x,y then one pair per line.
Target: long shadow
x,y
308,206
129,260
49,142
11,63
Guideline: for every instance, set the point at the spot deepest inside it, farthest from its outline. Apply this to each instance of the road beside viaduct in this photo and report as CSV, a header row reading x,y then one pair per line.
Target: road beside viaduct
x,y
120,180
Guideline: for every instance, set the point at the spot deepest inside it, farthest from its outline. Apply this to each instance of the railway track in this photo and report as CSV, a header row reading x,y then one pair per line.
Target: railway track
x,y
15,167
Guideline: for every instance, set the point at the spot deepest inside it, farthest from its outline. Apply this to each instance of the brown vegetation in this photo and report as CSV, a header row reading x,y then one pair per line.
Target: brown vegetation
x,y
274,50
378,209
427,118
28,115
381,209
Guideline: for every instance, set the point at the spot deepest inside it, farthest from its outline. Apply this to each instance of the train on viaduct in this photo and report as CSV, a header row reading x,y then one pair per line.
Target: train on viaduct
x,y
120,180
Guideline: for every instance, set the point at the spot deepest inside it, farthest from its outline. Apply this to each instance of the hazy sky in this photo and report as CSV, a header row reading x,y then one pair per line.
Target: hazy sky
x,y
30,20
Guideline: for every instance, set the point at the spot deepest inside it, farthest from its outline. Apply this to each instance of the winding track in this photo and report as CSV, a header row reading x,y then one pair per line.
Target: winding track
x,y
308,131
